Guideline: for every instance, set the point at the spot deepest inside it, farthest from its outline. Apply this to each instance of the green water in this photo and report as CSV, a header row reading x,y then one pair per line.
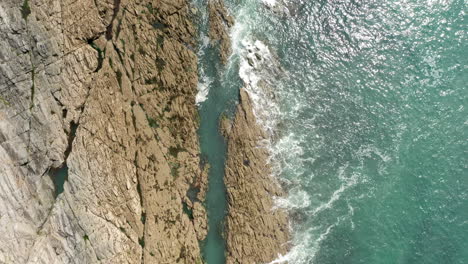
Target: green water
x,y
213,148
223,92
371,127
59,177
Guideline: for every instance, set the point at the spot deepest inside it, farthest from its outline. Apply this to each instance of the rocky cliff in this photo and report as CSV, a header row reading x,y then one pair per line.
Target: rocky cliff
x,y
98,133
99,152
255,231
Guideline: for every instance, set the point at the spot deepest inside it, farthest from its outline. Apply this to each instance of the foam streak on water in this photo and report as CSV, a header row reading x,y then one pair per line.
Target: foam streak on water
x,y
204,42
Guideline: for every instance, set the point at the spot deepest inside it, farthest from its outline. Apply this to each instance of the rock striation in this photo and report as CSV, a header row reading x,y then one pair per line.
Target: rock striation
x,y
219,24
255,231
102,91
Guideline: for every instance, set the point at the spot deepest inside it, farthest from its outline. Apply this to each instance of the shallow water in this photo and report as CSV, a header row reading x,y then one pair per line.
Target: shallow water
x,y
369,124
59,177
218,94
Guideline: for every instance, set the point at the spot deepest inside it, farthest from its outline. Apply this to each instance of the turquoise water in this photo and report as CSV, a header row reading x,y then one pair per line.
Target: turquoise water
x,y
222,85
369,124
213,148
59,177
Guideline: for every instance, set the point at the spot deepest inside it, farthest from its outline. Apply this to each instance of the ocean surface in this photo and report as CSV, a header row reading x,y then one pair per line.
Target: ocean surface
x,y
366,104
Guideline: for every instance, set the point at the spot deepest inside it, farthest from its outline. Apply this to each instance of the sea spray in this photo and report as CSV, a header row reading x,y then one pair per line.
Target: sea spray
x,y
203,88
259,70
263,76
368,124
369,132
204,81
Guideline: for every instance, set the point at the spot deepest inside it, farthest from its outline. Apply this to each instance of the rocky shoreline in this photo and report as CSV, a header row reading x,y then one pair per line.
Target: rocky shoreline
x,y
256,231
104,93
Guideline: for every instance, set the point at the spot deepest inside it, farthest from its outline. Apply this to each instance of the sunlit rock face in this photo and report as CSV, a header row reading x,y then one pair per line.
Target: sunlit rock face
x,y
98,133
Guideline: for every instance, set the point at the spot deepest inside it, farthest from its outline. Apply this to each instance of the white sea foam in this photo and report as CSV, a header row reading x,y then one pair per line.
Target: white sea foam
x,y
205,42
270,3
298,253
287,154
259,71
348,182
307,246
204,82
297,199
371,151
203,89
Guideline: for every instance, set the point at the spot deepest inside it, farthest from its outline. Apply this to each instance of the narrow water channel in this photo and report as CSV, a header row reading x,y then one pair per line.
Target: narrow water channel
x,y
219,85
213,148
221,100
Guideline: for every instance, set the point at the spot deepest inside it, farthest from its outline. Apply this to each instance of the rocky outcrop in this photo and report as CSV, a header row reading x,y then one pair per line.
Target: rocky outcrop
x,y
255,231
219,24
104,93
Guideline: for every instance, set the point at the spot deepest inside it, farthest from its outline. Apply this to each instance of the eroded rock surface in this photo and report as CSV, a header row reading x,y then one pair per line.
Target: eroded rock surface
x,y
255,231
220,22
105,89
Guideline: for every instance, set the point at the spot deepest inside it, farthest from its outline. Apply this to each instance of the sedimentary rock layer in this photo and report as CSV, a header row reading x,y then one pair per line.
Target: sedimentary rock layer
x,y
105,91
255,231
